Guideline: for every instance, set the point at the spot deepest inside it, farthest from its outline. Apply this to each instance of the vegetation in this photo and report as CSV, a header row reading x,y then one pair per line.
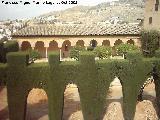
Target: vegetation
x,y
90,48
122,49
34,55
6,47
103,52
74,52
150,41
92,77
2,54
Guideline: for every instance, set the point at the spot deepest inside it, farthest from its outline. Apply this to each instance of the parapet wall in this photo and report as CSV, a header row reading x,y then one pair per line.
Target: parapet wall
x,y
92,77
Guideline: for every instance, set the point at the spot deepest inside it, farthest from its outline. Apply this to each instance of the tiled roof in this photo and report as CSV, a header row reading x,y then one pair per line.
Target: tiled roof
x,y
123,29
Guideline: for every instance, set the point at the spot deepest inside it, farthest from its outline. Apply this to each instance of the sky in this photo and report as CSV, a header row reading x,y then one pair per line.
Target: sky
x,y
21,11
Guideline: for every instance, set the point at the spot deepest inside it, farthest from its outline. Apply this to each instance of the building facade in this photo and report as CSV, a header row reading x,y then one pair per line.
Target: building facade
x,y
62,38
152,15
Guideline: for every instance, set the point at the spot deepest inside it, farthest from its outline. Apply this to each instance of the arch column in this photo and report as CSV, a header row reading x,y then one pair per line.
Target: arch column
x,y
112,42
99,42
73,43
86,43
60,48
32,45
20,44
46,45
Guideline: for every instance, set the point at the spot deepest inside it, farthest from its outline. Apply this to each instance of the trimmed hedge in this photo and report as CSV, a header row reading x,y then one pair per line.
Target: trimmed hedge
x,y
2,52
3,74
92,77
9,46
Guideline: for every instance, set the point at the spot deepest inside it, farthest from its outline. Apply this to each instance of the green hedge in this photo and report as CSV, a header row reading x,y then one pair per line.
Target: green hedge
x,y
2,52
3,74
92,77
9,46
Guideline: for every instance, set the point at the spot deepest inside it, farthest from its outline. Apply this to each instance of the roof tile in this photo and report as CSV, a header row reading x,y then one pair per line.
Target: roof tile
x,y
123,29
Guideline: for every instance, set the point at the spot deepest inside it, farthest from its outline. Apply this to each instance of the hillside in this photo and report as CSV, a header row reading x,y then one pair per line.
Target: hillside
x,y
123,10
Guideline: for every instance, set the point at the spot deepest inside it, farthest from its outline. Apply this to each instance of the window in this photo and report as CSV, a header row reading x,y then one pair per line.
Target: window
x,y
150,20
156,7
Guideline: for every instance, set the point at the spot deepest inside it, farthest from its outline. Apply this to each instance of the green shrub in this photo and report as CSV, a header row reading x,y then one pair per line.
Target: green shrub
x,y
2,52
3,77
34,55
74,52
6,47
90,48
122,49
157,53
150,42
103,51
11,46
17,59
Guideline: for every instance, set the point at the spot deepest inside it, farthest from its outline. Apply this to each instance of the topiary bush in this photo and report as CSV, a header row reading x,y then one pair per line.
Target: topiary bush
x,y
102,52
3,76
90,48
157,53
6,47
2,52
150,41
11,46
